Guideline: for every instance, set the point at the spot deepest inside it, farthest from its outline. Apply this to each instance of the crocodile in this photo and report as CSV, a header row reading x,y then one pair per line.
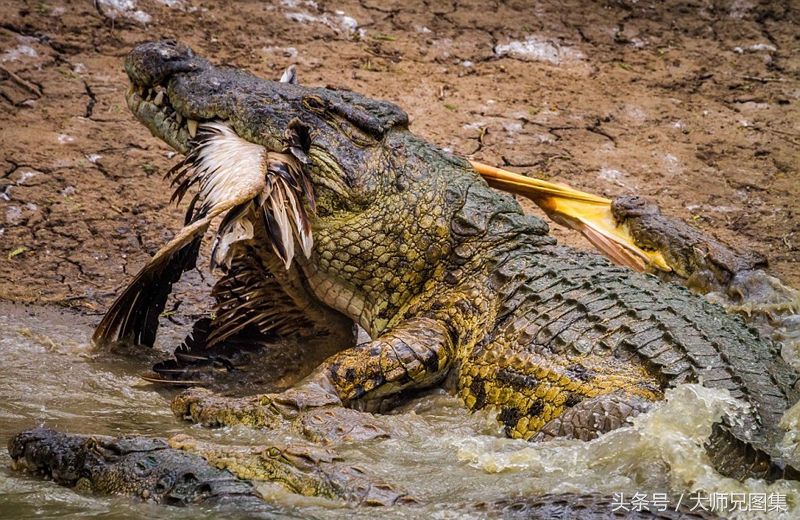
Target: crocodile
x,y
453,283
632,231
173,472
138,466
738,280
182,471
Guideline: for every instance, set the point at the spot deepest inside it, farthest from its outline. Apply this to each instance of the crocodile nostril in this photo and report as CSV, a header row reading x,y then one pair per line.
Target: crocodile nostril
x,y
189,478
164,484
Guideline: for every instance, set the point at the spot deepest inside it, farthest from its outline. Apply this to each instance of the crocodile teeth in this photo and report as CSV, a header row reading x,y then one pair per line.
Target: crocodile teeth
x,y
191,124
159,99
178,117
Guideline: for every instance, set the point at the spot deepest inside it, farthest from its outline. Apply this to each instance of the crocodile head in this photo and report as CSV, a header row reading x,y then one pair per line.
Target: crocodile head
x,y
172,90
137,466
384,198
183,471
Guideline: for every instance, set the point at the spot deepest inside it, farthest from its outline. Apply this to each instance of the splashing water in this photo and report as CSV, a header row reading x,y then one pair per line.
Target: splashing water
x,y
448,459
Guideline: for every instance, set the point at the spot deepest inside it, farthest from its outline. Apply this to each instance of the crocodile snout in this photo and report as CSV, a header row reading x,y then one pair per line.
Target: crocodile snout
x,y
137,466
48,452
152,63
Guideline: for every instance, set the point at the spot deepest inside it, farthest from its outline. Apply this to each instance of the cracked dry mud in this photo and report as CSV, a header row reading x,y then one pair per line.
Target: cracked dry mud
x,y
694,104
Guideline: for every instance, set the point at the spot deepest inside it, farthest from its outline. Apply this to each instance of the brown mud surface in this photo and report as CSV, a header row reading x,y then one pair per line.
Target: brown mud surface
x,y
695,104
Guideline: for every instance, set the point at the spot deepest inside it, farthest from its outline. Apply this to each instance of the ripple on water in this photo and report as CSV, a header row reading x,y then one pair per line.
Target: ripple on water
x,y
441,455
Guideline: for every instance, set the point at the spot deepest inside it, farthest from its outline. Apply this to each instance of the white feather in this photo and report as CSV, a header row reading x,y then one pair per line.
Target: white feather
x,y
233,170
229,166
301,231
241,229
277,201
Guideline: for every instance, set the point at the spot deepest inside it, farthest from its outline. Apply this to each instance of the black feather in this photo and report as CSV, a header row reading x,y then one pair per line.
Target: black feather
x,y
133,317
273,232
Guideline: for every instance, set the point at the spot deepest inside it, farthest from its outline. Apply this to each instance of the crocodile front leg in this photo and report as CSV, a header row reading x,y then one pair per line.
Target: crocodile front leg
x,y
414,354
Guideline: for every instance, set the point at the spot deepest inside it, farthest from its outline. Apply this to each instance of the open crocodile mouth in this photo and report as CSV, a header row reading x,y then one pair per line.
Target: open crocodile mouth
x,y
243,183
151,105
234,177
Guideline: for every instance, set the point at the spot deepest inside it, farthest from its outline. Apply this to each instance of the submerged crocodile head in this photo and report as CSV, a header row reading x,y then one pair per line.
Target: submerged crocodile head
x,y
137,466
385,199
183,471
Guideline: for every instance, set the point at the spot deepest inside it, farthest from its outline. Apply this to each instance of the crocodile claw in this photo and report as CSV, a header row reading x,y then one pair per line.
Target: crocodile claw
x,y
314,413
202,406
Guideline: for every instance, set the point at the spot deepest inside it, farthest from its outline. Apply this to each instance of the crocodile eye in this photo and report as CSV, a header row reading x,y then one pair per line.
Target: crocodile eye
x,y
354,133
346,121
274,452
314,103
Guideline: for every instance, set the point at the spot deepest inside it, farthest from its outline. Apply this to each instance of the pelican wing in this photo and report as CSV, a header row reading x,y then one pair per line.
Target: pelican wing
x,y
584,212
230,173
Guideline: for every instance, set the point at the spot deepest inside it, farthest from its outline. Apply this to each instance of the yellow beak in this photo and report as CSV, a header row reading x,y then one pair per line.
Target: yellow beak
x,y
587,213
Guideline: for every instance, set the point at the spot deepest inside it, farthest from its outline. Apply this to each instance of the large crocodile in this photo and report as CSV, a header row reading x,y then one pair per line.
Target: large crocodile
x,y
454,284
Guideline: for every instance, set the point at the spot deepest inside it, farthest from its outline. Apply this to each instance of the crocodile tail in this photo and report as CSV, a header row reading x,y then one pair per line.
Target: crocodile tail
x,y
740,459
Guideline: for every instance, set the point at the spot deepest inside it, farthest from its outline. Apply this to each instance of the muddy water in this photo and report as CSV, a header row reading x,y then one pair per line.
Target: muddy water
x,y
447,459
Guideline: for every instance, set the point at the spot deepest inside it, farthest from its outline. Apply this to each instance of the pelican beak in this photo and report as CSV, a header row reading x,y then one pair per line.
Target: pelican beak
x,y
584,212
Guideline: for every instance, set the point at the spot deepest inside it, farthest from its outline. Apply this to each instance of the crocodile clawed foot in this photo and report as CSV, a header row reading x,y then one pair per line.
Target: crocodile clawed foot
x,y
202,406
303,397
593,417
268,411
334,424
309,409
